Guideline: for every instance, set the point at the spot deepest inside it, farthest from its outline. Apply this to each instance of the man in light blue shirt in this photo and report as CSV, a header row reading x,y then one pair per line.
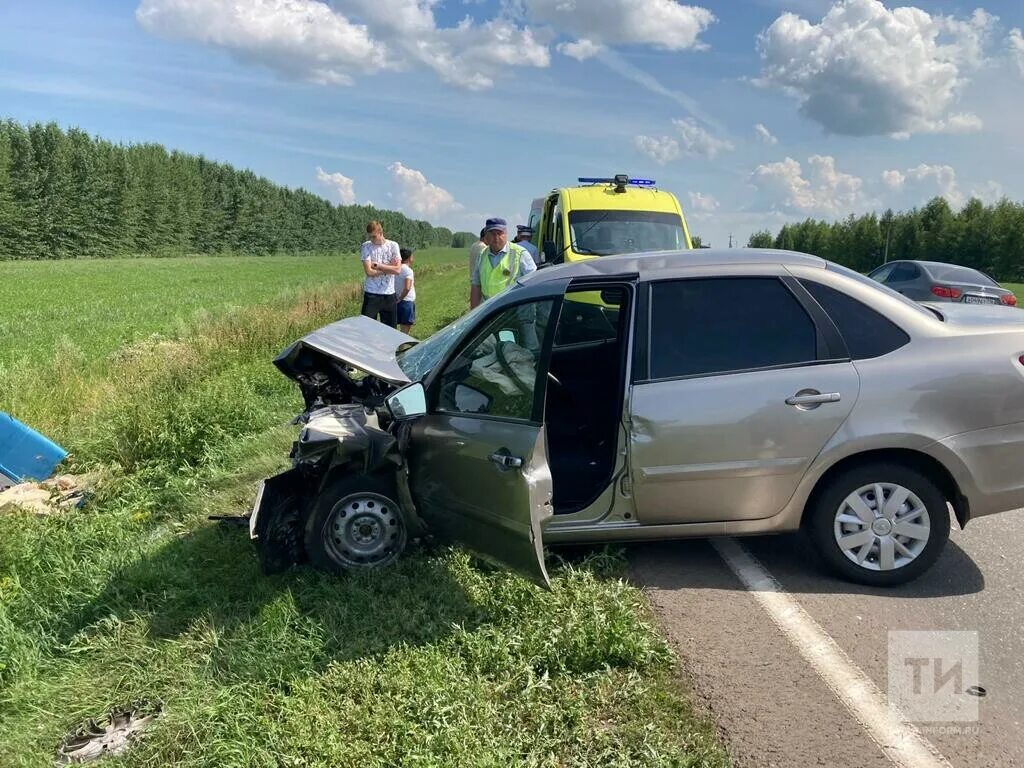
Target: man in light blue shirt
x,y
524,234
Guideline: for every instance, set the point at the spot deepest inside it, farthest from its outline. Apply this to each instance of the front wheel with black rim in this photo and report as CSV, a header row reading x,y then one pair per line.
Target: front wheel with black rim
x,y
355,523
879,524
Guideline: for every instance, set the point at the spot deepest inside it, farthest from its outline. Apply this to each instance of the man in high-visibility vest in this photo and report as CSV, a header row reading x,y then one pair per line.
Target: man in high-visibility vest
x,y
500,265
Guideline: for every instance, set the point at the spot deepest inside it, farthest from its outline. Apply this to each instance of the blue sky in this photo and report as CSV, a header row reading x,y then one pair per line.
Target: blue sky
x,y
458,110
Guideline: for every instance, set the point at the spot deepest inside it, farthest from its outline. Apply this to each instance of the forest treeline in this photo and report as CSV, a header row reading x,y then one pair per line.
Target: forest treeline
x,y
985,237
66,194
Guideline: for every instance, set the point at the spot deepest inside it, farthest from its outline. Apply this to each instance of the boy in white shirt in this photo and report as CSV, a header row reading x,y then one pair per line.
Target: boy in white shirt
x,y
406,289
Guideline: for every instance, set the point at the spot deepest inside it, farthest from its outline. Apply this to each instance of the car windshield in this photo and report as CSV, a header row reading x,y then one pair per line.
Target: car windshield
x,y
418,360
864,280
951,273
603,233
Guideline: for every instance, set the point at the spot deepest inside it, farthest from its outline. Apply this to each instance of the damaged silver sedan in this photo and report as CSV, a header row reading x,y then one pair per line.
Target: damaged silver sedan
x,y
667,395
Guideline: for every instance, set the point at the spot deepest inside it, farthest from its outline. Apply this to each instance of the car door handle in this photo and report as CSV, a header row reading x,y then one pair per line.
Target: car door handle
x,y
812,398
505,460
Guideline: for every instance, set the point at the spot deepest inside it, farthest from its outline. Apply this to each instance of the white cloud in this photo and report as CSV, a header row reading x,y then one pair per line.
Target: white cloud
x,y
581,49
1016,43
418,196
701,203
893,179
661,149
341,184
765,135
866,70
989,192
697,141
662,23
300,38
825,191
312,40
924,182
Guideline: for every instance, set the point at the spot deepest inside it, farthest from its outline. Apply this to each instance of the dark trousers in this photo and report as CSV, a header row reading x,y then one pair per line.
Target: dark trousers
x,y
381,306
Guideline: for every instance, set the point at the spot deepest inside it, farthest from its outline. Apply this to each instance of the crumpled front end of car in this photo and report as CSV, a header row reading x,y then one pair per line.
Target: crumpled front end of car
x,y
337,438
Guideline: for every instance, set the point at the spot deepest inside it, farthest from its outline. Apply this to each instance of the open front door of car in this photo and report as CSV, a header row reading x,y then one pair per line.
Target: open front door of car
x,y
477,459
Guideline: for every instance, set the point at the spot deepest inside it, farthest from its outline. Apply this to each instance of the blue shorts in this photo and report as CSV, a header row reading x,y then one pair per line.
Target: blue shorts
x,y
406,313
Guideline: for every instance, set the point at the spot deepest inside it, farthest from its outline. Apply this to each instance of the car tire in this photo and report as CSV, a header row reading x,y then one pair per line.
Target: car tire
x,y
355,523
899,543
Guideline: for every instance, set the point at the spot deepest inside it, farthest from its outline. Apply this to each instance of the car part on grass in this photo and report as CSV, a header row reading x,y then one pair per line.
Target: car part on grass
x,y
109,735
24,453
60,493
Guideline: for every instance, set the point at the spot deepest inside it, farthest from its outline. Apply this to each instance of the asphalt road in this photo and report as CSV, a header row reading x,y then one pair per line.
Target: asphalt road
x,y
774,708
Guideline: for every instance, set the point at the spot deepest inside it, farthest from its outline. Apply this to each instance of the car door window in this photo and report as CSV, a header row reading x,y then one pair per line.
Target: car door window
x,y
903,273
496,373
882,273
718,325
866,332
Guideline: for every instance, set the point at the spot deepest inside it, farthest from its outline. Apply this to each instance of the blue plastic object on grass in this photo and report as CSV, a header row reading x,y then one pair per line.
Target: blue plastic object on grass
x,y
24,453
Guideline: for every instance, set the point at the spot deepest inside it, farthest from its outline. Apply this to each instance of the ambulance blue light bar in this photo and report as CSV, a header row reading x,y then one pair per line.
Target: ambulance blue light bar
x,y
598,180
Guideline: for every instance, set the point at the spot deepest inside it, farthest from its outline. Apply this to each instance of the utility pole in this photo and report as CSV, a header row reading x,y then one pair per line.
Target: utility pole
x,y
730,239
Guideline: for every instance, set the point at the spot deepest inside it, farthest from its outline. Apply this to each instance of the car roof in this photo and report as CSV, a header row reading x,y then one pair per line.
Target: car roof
x,y
647,264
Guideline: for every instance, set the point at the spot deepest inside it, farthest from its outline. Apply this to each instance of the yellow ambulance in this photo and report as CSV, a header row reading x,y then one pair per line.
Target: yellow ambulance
x,y
604,217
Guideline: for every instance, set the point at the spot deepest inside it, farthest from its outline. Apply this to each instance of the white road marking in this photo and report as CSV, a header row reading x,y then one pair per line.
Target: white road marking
x,y
901,742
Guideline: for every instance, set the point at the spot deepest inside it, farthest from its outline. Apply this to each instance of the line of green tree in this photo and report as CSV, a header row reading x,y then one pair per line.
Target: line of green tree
x,y
985,237
66,194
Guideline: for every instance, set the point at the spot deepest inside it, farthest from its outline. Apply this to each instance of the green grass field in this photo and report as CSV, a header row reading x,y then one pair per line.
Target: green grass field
x,y
433,662
96,306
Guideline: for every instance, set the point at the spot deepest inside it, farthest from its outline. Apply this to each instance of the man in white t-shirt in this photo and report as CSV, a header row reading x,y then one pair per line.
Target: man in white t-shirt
x,y
381,263
406,289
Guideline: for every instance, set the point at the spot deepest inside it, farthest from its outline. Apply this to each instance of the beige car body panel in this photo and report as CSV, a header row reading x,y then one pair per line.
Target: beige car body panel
x,y
924,398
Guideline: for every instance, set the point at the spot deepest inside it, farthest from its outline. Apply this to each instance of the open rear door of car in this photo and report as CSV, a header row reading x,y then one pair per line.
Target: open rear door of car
x,y
489,490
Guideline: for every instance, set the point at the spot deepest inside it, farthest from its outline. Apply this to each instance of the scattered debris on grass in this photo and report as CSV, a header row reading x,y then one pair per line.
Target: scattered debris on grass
x,y
110,735
59,493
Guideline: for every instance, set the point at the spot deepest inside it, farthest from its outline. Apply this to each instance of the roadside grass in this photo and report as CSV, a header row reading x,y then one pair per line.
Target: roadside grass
x,y
1018,291
65,324
432,662
90,308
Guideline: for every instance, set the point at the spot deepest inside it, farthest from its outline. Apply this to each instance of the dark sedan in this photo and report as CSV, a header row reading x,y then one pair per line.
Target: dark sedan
x,y
935,281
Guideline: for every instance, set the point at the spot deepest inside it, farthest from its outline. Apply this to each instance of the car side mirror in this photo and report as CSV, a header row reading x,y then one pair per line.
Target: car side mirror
x,y
407,403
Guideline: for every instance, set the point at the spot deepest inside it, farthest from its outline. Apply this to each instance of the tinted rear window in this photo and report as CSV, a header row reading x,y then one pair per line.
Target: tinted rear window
x,y
951,273
717,325
866,332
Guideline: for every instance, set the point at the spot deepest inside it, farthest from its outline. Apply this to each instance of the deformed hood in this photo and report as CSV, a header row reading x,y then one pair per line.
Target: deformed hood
x,y
358,341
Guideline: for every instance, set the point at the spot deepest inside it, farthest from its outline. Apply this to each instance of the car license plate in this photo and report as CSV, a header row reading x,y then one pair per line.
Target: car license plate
x,y
980,300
